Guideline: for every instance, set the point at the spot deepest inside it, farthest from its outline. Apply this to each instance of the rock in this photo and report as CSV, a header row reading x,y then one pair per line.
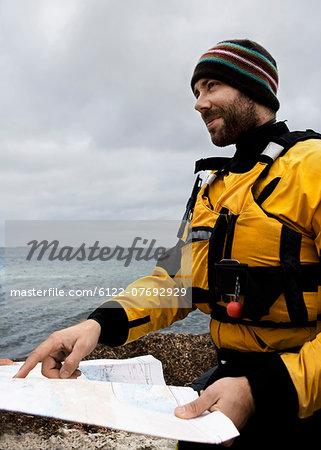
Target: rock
x,y
184,356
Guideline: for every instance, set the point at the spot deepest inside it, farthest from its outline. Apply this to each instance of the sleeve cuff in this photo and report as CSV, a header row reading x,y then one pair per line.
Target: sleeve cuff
x,y
273,389
113,320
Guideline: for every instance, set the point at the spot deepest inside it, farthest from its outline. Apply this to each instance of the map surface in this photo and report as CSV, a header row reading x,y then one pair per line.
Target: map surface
x,y
128,395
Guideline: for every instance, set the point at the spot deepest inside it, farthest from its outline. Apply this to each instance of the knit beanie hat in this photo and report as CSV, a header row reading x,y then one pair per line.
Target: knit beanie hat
x,y
245,65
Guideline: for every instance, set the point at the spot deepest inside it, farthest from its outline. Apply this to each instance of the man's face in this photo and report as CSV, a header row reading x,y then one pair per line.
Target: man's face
x,y
226,111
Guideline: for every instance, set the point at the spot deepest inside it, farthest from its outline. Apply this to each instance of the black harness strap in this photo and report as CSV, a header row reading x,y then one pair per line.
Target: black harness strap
x,y
190,206
289,139
290,263
215,252
219,313
231,221
214,163
310,279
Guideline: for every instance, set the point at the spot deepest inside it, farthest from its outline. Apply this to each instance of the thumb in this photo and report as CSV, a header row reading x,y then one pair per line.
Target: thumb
x,y
71,362
192,409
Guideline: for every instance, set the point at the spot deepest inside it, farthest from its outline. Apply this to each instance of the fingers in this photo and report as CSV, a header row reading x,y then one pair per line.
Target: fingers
x,y
6,362
52,365
72,361
76,341
34,358
196,407
77,373
84,341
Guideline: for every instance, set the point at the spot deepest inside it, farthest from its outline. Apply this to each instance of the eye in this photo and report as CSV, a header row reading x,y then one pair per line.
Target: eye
x,y
196,93
211,84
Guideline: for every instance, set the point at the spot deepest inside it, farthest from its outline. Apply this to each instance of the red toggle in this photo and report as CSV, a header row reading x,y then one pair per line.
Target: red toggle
x,y
234,309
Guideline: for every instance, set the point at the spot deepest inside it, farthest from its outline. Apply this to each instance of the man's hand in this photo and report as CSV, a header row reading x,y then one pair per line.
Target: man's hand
x,y
231,396
69,345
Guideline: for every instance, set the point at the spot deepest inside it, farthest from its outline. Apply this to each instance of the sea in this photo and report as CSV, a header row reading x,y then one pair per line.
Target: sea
x,y
27,320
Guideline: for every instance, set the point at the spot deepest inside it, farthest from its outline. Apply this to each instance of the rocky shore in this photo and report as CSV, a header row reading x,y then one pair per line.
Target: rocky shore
x,y
184,358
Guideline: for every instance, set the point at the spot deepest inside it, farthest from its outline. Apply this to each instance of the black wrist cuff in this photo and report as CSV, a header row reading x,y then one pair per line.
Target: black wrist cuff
x,y
113,320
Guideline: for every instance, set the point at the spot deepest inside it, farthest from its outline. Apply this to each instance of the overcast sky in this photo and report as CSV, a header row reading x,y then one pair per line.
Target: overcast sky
x,y
97,118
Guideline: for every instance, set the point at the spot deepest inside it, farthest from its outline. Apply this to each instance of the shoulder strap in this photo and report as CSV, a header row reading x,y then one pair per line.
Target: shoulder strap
x,y
213,163
189,207
289,139
279,147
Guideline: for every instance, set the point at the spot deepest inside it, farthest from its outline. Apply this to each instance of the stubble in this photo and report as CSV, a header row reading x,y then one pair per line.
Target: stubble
x,y
239,117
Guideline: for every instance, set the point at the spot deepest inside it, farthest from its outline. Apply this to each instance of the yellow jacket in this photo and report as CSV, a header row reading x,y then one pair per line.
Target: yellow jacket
x,y
269,220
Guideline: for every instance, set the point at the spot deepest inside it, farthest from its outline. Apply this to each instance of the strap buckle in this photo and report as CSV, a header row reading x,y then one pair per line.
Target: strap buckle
x,y
230,278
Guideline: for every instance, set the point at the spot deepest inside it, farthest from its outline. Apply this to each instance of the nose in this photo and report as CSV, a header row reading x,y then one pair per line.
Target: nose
x,y
202,103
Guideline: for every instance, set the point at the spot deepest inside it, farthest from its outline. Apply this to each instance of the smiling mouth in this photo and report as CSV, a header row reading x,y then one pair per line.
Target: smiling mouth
x,y
211,122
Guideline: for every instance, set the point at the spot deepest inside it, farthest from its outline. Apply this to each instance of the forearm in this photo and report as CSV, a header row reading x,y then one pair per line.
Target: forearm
x,y
149,304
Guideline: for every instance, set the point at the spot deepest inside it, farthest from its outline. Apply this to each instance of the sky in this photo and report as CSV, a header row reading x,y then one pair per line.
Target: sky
x,y
97,117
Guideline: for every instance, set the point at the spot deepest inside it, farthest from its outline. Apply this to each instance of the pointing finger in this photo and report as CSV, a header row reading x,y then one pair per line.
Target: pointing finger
x,y
34,358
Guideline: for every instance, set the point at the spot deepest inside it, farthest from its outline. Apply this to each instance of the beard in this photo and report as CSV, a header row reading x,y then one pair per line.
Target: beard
x,y
238,117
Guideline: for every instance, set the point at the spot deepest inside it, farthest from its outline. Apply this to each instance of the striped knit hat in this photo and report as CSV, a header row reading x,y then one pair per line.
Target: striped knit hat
x,y
243,64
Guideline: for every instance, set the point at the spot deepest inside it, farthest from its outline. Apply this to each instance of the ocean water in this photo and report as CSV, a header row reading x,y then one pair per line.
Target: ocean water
x,y
27,320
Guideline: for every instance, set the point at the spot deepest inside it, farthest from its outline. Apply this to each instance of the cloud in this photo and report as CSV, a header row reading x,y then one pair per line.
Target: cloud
x,y
96,111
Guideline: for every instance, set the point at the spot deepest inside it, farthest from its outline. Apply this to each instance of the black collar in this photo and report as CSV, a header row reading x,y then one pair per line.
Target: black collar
x,y
252,143
248,149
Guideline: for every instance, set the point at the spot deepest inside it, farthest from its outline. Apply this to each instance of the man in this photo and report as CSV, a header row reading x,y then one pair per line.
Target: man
x,y
255,232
